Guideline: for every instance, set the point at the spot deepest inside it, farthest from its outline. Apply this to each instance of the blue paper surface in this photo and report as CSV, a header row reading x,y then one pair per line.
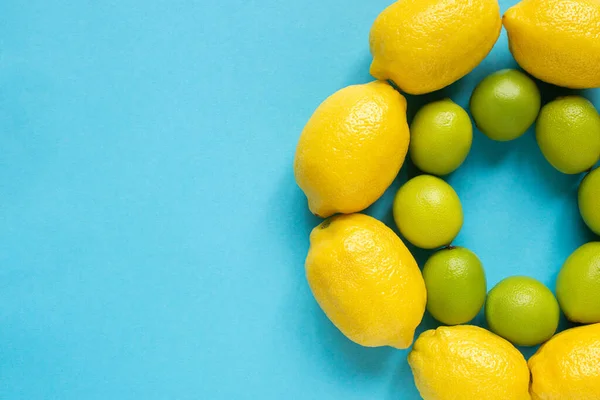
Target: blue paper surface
x,y
152,237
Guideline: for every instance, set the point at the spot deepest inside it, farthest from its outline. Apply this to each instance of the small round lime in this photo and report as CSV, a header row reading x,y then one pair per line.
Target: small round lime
x,y
428,212
522,310
505,104
456,285
568,133
578,285
589,200
441,135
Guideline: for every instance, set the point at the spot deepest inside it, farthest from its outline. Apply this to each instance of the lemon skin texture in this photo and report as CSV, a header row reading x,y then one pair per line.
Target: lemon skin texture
x,y
441,137
567,367
366,281
505,104
425,45
352,148
456,285
589,200
568,134
578,285
557,41
467,362
428,212
522,310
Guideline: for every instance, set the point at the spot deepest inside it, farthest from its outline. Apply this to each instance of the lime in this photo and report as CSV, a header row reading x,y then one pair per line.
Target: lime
x,y
578,285
456,286
505,104
441,135
428,212
589,200
522,310
568,133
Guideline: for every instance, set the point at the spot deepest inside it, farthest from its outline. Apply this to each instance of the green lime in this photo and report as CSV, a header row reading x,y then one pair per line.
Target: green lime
x,y
428,212
505,104
522,310
578,285
441,135
589,200
456,285
568,133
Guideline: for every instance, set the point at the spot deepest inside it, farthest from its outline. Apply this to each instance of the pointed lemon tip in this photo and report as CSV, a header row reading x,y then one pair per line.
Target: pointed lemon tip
x,y
319,210
377,70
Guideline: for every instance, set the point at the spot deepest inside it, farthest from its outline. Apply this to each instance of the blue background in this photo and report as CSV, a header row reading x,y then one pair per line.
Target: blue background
x,y
152,237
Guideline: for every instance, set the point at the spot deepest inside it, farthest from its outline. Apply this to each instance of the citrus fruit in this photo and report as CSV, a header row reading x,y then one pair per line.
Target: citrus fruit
x,y
568,133
557,41
567,367
522,310
425,45
441,135
352,148
578,284
428,212
468,362
366,281
505,104
589,200
456,285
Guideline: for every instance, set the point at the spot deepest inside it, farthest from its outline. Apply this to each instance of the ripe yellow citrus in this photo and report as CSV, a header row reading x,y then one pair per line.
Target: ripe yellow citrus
x,y
557,41
468,362
366,281
425,45
352,148
567,367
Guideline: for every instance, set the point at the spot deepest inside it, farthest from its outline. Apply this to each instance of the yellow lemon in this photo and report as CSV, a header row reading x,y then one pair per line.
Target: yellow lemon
x,y
425,45
352,148
557,41
468,362
567,367
366,281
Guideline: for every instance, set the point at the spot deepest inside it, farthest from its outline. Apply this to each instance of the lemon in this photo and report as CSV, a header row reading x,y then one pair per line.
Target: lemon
x,y
578,284
568,133
428,212
567,367
505,104
352,148
557,41
425,45
456,285
366,281
467,362
589,200
522,310
441,135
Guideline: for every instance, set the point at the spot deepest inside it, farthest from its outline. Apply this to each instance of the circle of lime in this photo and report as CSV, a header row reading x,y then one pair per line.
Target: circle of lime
x,y
428,212
456,285
568,134
441,135
589,200
505,104
578,285
522,310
